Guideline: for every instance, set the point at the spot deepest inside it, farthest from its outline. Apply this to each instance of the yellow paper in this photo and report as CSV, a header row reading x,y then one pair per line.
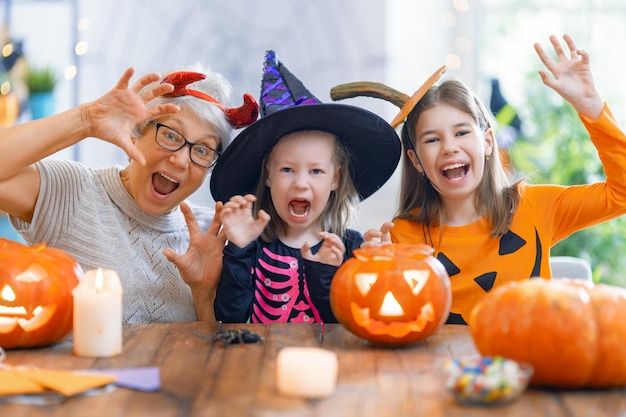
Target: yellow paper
x,y
12,383
66,382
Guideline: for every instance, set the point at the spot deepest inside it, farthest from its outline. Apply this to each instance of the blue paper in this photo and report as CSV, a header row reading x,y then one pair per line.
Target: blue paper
x,y
141,379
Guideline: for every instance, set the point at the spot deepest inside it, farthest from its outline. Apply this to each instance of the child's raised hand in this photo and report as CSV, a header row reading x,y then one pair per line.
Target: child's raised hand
x,y
378,237
331,252
238,223
571,77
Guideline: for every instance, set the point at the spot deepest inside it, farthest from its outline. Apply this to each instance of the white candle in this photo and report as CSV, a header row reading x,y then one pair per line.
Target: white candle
x,y
98,314
306,372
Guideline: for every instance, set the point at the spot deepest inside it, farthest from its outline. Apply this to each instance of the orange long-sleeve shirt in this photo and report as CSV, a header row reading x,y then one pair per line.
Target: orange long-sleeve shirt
x,y
546,215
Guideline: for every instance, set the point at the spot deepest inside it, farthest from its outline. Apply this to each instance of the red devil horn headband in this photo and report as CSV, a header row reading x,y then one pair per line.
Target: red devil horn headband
x,y
238,117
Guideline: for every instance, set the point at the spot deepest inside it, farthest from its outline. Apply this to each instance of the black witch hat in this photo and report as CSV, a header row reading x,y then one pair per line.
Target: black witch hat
x,y
287,107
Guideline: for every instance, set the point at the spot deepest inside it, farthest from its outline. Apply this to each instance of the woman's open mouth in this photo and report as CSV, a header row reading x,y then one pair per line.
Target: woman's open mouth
x,y
163,184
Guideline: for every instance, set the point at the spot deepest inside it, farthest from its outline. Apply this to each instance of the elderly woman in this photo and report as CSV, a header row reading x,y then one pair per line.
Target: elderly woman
x,y
132,219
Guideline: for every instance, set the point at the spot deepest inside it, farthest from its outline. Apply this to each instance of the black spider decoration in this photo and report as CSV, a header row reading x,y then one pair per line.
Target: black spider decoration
x,y
232,336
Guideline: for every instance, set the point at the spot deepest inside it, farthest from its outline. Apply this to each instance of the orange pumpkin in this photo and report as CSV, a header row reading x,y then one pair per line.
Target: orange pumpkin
x,y
36,283
573,333
391,295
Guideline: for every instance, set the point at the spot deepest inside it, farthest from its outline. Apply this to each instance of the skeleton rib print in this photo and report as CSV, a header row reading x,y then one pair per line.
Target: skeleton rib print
x,y
281,291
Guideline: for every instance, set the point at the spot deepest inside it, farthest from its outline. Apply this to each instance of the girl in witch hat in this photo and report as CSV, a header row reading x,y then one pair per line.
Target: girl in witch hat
x,y
308,165
456,197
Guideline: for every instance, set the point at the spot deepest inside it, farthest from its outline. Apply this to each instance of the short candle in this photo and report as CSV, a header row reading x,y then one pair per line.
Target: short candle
x,y
306,372
98,314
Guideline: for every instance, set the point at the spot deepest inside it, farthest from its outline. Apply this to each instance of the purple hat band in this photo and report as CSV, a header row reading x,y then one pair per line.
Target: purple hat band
x,y
280,88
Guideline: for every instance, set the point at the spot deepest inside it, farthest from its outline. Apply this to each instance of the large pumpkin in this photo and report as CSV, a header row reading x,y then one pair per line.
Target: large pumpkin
x,y
573,333
391,295
36,285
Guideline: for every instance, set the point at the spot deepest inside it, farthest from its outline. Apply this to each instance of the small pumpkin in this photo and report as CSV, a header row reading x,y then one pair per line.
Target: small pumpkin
x,y
393,295
572,332
36,282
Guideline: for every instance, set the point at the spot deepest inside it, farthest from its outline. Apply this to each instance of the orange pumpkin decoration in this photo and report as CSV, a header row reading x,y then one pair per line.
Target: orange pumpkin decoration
x,y
573,333
391,295
36,283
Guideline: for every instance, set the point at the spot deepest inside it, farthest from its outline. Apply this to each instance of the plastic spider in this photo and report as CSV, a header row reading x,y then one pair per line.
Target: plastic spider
x,y
232,336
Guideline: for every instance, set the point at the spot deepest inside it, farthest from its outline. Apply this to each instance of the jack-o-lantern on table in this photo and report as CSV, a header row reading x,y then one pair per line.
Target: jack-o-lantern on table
x,y
36,285
391,295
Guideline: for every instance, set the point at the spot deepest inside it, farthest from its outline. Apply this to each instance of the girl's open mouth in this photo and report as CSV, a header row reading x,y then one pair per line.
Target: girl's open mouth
x,y
455,171
299,208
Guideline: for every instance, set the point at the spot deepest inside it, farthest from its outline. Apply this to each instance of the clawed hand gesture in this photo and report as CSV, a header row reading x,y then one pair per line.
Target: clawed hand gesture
x,y
200,266
571,77
331,252
239,226
114,114
378,237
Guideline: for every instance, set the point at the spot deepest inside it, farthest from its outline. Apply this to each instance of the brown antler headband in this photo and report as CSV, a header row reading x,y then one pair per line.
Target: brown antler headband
x,y
382,91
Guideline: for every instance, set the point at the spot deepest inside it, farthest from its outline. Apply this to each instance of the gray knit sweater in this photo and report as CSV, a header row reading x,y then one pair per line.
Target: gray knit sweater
x,y
89,214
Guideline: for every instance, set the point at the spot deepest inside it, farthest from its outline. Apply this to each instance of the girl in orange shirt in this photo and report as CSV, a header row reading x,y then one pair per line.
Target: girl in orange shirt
x,y
456,197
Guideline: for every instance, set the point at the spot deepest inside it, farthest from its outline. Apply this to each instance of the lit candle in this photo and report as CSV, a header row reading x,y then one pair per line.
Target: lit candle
x,y
98,314
306,372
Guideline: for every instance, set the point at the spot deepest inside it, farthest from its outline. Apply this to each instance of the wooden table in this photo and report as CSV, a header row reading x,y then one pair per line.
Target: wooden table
x,y
200,378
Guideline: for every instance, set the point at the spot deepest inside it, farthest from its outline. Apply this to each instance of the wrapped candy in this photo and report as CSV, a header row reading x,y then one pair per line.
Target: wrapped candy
x,y
486,380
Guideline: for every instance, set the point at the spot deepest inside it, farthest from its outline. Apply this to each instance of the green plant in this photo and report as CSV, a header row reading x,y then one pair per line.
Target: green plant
x,y
40,80
555,148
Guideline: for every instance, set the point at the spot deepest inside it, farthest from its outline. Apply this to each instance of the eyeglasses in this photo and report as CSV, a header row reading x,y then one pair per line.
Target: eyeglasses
x,y
168,138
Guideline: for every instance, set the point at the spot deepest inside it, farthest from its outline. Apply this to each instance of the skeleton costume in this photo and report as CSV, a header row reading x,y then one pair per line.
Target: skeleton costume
x,y
269,281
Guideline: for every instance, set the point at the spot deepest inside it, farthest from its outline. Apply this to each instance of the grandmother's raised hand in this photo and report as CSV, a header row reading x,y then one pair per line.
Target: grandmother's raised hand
x,y
201,266
571,76
113,115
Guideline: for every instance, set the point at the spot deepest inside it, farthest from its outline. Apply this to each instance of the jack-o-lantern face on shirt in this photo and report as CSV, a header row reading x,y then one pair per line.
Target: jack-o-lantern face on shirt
x,y
36,285
392,295
512,263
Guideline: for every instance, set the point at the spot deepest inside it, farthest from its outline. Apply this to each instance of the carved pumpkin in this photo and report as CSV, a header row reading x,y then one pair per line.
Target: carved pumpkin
x,y
391,295
36,283
573,333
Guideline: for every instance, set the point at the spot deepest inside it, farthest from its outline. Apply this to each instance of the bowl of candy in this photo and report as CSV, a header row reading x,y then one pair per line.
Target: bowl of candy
x,y
484,380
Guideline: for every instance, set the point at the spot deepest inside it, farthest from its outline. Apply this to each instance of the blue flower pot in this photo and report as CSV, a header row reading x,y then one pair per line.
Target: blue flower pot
x,y
41,105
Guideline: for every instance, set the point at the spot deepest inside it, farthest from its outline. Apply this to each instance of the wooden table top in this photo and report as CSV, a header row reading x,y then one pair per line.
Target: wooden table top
x,y
200,378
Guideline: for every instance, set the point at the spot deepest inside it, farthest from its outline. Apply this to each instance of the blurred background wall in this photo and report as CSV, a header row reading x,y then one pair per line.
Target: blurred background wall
x,y
323,42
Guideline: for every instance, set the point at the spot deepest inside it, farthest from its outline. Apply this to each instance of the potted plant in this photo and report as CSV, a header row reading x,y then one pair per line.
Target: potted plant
x,y
41,83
